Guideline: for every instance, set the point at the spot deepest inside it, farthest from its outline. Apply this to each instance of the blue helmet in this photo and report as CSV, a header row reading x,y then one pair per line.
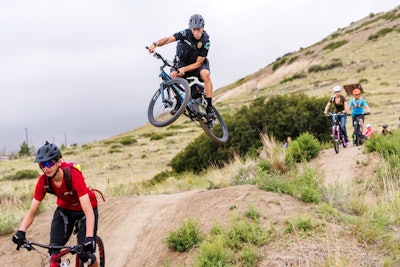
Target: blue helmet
x,y
196,21
48,152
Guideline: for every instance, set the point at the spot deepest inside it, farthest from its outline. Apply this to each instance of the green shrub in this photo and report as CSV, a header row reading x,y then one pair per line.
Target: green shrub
x,y
214,252
293,59
380,33
305,147
386,145
280,116
304,186
302,224
279,62
114,150
294,77
7,222
127,140
336,62
159,136
23,174
244,176
238,244
334,45
186,237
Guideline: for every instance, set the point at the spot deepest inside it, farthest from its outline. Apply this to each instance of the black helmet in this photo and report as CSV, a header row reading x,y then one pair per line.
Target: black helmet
x,y
48,152
385,126
196,21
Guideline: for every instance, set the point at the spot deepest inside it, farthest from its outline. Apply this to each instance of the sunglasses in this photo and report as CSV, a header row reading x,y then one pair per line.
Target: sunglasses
x,y
47,164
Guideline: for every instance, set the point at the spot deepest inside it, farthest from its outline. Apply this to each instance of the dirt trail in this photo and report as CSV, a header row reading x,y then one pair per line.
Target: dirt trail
x,y
350,162
133,227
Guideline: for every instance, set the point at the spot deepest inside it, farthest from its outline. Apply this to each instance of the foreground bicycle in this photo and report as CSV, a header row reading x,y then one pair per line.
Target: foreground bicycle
x,y
60,259
358,134
177,96
337,137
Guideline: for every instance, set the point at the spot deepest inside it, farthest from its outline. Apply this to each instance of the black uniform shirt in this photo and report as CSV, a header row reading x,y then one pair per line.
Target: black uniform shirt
x,y
188,48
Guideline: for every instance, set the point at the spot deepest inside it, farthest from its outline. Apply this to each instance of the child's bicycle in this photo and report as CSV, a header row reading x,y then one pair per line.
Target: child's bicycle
x,y
337,137
177,96
61,259
358,123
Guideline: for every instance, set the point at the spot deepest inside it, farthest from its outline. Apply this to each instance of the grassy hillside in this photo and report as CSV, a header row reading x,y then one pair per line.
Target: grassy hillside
x,y
367,53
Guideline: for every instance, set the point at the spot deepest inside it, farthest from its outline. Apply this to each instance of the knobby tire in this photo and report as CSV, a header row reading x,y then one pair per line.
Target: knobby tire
x,y
159,111
358,134
100,253
215,128
335,139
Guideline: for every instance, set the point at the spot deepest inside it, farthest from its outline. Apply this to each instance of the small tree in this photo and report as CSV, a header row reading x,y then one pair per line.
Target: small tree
x,y
24,150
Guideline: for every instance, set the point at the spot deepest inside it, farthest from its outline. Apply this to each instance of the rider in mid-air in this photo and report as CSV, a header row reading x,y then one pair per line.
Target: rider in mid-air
x,y
78,205
192,50
340,104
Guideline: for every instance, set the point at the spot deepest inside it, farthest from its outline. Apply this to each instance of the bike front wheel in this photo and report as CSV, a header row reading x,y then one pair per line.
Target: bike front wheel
x,y
335,140
214,127
169,102
358,135
100,254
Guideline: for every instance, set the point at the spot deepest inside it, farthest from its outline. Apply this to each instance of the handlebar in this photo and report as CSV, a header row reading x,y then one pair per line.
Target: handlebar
x,y
172,64
30,245
329,114
366,113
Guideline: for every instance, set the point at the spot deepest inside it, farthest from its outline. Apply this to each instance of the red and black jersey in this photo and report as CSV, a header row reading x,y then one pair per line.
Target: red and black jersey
x,y
67,199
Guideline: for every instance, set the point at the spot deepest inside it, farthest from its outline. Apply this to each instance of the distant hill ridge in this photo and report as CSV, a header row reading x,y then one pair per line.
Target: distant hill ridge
x,y
364,52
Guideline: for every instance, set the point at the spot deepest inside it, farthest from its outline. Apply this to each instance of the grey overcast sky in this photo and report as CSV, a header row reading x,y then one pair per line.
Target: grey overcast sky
x,y
77,71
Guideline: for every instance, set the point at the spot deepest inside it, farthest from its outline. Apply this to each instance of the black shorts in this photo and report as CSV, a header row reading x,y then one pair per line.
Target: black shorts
x,y
196,72
63,224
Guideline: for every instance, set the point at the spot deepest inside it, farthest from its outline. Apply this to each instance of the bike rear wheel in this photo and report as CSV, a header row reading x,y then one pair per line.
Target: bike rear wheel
x,y
100,254
169,102
214,127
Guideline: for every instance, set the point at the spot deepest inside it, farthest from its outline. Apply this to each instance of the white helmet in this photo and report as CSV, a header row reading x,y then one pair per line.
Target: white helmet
x,y
337,88
368,125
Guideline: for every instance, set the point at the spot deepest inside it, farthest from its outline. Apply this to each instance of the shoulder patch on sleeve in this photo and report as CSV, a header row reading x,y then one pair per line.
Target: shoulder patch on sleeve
x,y
207,45
183,33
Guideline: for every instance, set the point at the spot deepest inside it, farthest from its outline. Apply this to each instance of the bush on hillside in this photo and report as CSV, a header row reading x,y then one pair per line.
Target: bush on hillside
x,y
335,62
23,174
186,237
305,147
280,116
380,33
385,145
334,45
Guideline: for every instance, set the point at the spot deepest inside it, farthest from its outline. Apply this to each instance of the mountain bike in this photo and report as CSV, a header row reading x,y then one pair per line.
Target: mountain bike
x,y
60,259
337,137
358,134
177,96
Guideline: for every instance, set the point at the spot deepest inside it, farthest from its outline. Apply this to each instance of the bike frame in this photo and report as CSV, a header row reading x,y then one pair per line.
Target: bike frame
x,y
358,123
337,137
166,77
192,106
55,259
